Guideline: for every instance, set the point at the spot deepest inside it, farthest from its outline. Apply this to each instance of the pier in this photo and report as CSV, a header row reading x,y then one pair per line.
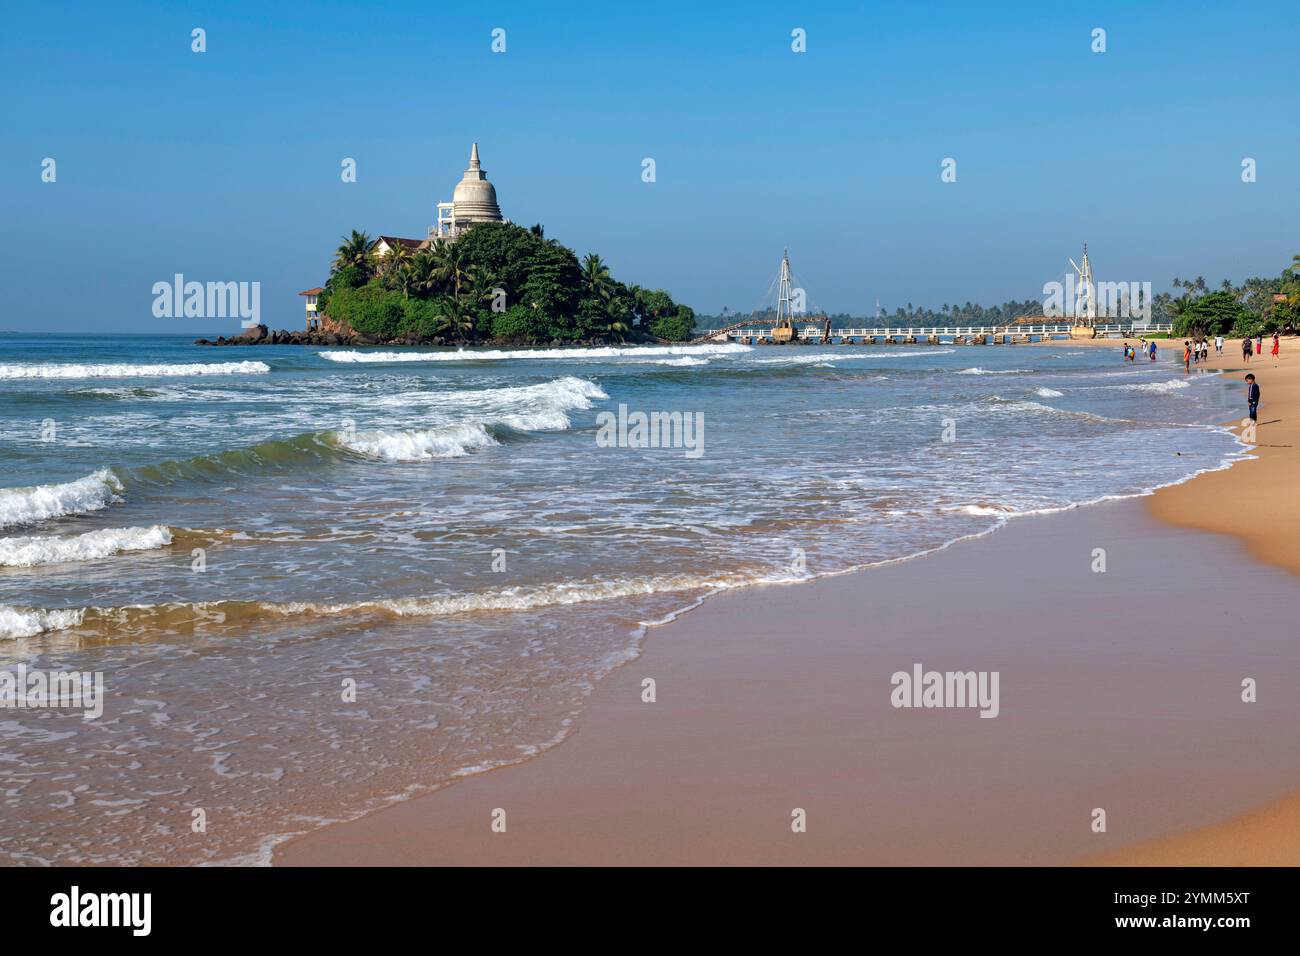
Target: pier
x,y
757,333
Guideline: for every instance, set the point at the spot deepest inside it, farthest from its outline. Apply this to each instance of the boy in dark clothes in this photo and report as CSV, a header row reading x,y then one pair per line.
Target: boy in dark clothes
x,y
1252,397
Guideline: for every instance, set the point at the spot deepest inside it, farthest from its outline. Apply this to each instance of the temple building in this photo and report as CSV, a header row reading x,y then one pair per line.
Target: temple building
x,y
473,200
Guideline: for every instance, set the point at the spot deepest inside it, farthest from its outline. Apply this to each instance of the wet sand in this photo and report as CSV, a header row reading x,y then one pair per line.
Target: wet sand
x,y
1118,690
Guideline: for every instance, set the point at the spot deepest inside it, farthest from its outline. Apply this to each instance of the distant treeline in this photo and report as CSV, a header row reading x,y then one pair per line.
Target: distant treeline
x,y
1261,304
968,314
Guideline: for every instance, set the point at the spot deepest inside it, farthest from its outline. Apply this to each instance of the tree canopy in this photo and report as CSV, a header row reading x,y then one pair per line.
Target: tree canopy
x,y
496,282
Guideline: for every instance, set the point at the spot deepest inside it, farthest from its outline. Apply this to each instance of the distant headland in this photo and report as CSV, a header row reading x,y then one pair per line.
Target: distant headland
x,y
476,279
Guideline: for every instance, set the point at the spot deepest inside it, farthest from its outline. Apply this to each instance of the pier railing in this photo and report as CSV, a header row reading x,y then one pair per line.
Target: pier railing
x,y
817,332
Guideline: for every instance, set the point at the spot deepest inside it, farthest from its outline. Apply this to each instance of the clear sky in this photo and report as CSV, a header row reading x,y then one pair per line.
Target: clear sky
x,y
225,165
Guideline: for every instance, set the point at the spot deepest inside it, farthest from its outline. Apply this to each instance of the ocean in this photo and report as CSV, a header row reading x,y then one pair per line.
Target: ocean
x,y
318,580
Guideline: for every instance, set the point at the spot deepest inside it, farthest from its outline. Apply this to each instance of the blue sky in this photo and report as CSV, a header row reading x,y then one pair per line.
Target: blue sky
x,y
225,165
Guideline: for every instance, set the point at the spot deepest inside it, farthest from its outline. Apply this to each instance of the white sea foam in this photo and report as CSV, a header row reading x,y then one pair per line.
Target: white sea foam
x,y
124,370
496,355
981,510
26,622
451,441
18,622
23,505
525,598
992,371
28,552
686,361
821,357
539,407
569,392
1047,393
1157,387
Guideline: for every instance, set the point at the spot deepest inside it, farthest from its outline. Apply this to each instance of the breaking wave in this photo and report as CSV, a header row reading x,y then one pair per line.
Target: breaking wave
x,y
1157,387
496,355
822,357
40,502
28,622
452,441
122,370
29,552
157,618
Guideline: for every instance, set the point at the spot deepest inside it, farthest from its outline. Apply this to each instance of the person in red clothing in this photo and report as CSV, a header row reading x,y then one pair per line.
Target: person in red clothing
x,y
1276,343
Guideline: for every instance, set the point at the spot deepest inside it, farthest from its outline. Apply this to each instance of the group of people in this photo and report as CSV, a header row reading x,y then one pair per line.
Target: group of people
x,y
1199,351
1195,352
1257,346
1148,350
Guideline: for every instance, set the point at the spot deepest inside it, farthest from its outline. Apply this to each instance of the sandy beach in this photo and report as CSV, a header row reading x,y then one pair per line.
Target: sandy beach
x,y
1119,691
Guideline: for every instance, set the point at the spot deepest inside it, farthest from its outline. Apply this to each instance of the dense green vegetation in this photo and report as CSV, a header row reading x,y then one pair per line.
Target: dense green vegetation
x,y
1259,306
497,282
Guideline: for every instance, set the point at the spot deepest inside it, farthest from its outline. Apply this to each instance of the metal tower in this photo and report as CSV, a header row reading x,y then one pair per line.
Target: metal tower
x,y
1085,299
784,307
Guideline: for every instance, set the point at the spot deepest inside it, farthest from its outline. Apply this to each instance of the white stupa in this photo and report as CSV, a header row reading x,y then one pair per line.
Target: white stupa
x,y
473,200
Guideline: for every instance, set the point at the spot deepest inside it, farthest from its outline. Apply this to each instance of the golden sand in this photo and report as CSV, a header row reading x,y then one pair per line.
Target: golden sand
x,y
1257,502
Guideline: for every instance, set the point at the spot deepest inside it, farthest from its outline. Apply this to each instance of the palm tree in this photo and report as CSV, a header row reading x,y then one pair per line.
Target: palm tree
x,y
596,277
453,265
453,317
424,279
393,259
355,250
404,278
481,285
618,328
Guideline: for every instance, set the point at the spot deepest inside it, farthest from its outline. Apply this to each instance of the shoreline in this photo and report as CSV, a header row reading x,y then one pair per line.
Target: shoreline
x,y
450,826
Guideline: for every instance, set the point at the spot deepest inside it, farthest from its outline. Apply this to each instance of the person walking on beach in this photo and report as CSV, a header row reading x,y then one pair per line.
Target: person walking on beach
x,y
1245,350
1218,344
1187,356
1259,343
1153,350
1252,398
1276,344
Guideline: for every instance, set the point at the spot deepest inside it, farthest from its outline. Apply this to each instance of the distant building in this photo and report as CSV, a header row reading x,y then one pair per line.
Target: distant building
x,y
473,200
313,314
384,244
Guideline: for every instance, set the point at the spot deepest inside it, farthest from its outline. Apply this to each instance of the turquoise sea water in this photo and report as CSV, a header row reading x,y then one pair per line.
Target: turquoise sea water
x,y
232,535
